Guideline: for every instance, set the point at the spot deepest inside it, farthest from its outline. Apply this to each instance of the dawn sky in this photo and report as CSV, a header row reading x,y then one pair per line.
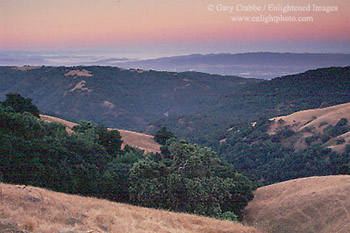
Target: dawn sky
x,y
154,28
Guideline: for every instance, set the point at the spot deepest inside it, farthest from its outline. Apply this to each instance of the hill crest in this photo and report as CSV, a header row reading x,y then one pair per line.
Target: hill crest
x,y
313,122
313,204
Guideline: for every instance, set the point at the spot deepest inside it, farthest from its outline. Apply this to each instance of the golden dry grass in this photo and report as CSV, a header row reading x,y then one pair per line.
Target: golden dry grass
x,y
308,205
134,139
82,72
80,86
40,210
312,118
139,140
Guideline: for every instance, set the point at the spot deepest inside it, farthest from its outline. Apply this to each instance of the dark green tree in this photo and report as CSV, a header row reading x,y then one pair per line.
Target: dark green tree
x,y
20,104
110,140
84,127
162,135
190,179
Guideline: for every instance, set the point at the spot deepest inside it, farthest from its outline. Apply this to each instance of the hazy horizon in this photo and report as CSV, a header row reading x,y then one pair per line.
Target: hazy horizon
x,y
160,28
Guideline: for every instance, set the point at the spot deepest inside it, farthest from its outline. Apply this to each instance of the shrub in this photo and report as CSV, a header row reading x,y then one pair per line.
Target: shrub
x,y
342,122
347,148
340,141
311,139
281,134
323,123
229,216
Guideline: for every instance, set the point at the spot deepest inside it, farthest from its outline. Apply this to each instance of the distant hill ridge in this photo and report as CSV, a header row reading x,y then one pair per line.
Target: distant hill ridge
x,y
264,65
117,98
190,104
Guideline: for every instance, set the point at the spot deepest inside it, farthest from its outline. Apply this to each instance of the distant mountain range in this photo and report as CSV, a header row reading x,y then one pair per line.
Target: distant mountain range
x,y
250,65
261,65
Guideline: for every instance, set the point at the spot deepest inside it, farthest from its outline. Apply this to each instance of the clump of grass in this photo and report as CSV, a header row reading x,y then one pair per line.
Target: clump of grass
x,y
29,225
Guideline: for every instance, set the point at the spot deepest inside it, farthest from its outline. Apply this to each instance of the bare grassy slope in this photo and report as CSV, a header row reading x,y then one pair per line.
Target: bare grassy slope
x,y
315,204
139,140
40,210
314,119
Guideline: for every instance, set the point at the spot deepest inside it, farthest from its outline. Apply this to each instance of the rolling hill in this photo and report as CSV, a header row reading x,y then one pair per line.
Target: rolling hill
x,y
192,105
262,65
312,123
134,139
117,98
315,204
26,209
306,143
277,97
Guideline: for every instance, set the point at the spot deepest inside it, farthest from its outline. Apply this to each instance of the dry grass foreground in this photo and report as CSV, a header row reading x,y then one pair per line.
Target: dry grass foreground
x,y
313,118
134,139
307,205
39,210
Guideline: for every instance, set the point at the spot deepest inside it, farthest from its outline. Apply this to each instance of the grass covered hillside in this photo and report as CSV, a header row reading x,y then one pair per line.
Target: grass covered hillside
x,y
328,126
25,209
315,204
117,98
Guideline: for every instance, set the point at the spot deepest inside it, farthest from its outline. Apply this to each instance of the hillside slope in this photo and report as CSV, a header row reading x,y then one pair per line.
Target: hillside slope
x,y
114,97
315,204
280,96
313,122
306,143
30,209
190,104
142,141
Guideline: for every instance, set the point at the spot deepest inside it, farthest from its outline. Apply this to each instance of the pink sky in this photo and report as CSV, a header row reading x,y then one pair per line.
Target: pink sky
x,y
179,26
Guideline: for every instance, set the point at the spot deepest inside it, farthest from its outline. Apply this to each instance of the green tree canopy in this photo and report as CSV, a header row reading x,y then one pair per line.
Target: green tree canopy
x,y
162,135
20,104
190,179
109,139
